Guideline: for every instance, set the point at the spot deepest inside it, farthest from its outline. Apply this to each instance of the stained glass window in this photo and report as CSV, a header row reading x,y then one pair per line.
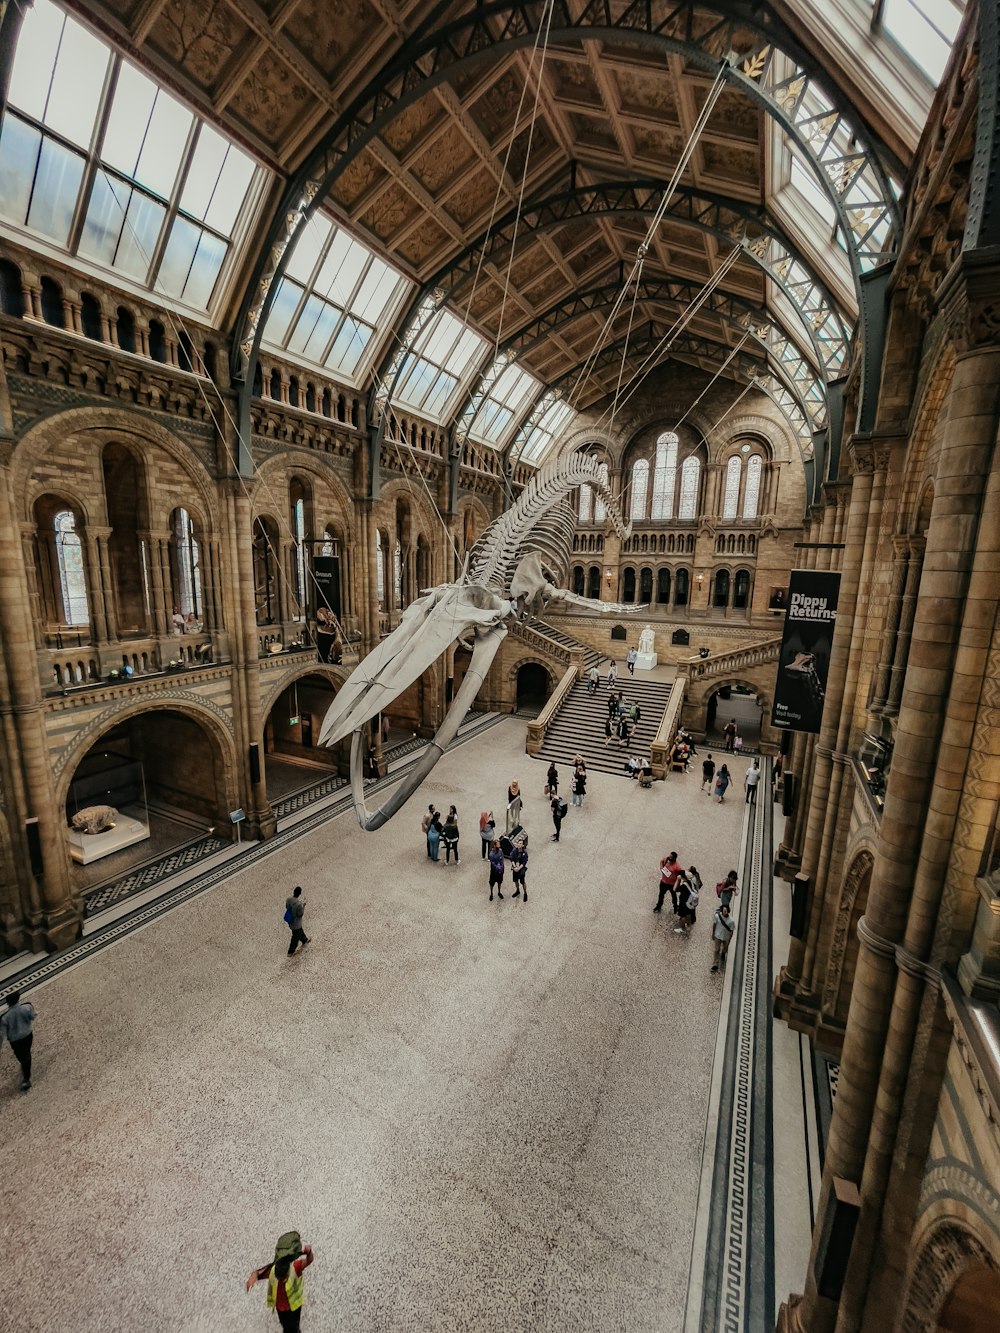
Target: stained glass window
x,y
751,495
380,570
585,512
299,533
640,487
687,507
664,476
397,575
72,578
188,570
731,498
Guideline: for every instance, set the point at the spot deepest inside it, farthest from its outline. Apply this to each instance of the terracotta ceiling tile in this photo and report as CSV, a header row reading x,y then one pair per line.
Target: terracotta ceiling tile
x,y
200,42
330,32
270,101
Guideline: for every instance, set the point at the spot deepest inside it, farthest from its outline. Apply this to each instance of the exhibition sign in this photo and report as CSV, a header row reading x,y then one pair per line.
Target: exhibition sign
x,y
804,661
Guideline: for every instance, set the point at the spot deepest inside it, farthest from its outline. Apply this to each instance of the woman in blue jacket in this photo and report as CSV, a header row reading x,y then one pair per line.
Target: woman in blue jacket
x,y
496,869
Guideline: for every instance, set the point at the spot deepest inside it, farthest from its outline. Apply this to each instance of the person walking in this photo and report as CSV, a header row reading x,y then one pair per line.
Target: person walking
x,y
630,658
722,781
496,869
425,824
707,773
751,781
722,934
687,901
609,732
558,808
487,831
519,868
513,807
670,872
579,785
612,705
16,1025
285,1287
552,778
295,905
449,836
612,674
727,889
593,680
729,731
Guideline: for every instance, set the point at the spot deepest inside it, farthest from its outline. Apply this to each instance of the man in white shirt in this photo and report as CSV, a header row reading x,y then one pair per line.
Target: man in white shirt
x,y
751,781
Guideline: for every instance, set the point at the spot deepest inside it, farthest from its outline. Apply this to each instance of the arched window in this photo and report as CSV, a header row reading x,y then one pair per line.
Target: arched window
x,y
125,325
72,579
663,585
687,507
720,587
578,580
300,496
664,476
157,341
11,289
53,311
741,588
628,586
731,498
640,488
600,508
586,509
90,317
751,495
188,587
380,570
594,582
646,585
397,575
682,584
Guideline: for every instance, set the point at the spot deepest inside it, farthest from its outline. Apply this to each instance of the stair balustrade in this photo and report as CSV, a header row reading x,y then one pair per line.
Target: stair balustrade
x,y
536,729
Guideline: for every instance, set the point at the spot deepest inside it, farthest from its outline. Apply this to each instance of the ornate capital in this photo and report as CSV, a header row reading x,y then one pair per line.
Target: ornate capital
x,y
969,300
862,458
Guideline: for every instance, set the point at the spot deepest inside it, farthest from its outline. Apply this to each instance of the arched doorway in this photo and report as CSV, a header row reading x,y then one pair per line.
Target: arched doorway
x,y
293,759
167,777
973,1303
736,700
532,688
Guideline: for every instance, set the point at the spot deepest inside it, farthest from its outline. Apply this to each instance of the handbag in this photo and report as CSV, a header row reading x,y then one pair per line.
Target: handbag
x,y
287,918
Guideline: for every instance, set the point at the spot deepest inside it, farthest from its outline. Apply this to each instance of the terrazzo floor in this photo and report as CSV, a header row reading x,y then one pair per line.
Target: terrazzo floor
x,y
482,1116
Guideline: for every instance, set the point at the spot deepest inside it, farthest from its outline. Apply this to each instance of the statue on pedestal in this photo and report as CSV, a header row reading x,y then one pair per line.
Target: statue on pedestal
x,y
647,640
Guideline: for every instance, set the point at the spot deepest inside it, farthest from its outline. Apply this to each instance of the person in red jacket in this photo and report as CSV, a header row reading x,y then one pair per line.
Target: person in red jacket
x,y
285,1287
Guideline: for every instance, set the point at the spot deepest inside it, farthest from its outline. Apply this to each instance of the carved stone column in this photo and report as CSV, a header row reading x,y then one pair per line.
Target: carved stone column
x,y
907,610
900,565
95,590
154,566
29,553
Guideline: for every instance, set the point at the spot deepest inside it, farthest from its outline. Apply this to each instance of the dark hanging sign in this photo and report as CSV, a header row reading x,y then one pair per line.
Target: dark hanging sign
x,y
326,610
804,663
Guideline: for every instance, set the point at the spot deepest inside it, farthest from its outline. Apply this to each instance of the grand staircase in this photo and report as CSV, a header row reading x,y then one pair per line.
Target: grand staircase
x,y
578,727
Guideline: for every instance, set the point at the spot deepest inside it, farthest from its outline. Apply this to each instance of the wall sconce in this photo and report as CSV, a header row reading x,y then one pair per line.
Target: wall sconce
x,y
701,582
608,575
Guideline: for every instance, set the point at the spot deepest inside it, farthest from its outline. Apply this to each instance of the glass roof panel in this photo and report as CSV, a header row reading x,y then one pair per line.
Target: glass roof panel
x,y
443,361
925,29
503,405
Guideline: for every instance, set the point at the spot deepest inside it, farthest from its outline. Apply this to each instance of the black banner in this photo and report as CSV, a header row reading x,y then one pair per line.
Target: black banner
x,y
804,662
326,611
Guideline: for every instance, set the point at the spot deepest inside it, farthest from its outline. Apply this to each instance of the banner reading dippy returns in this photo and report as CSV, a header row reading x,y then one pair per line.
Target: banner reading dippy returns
x,y
804,663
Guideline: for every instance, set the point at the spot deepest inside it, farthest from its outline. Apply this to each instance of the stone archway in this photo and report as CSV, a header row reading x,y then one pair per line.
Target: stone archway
x,y
845,944
533,684
294,712
735,698
949,1273
169,772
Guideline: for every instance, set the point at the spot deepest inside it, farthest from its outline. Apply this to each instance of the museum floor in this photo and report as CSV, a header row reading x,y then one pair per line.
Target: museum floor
x,y
482,1116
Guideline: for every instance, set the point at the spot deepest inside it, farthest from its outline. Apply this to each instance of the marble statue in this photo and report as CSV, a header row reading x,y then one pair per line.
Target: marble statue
x,y
647,640
513,571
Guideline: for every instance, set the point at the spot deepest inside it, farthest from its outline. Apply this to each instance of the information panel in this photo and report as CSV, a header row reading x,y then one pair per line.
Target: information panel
x,y
804,663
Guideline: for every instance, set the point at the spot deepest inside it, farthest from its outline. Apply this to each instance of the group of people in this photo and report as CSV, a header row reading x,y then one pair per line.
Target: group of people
x,y
441,832
623,718
685,887
734,740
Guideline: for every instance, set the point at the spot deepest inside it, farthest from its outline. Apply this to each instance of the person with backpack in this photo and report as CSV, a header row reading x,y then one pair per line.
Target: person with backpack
x,y
285,1286
727,889
707,773
487,832
519,868
16,1025
559,808
295,905
729,731
687,902
497,867
722,934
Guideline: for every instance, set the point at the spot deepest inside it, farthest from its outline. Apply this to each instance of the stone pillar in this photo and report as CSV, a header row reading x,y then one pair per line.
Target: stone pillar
x,y
56,922
107,585
36,606
916,832
95,591
900,566
907,610
246,656
154,566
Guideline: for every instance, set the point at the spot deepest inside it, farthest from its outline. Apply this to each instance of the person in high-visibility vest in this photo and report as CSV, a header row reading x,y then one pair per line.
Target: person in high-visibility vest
x,y
285,1287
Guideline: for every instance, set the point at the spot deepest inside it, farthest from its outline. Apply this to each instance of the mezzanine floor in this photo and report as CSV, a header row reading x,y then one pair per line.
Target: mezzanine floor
x,y
482,1116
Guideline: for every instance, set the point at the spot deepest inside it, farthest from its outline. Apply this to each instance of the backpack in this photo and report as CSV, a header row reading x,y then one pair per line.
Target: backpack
x,y
693,896
562,809
288,1246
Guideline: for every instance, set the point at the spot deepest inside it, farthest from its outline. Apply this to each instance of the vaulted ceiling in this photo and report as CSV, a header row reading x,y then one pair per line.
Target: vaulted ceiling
x,y
461,130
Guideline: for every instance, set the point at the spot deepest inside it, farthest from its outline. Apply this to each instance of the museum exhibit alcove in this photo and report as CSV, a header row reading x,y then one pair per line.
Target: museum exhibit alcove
x,y
293,758
533,688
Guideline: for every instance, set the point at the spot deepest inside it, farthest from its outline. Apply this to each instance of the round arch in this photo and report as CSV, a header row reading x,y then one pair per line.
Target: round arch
x,y
954,1260
844,948
531,682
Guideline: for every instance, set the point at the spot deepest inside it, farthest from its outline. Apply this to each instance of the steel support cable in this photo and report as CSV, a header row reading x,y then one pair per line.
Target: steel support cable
x,y
721,371
634,274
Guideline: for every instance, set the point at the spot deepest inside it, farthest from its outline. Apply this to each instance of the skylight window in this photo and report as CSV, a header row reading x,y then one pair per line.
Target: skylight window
x,y
925,29
441,363
503,405
549,419
335,297
98,158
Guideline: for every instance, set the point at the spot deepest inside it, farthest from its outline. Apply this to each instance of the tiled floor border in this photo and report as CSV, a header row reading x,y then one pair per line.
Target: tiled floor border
x,y
54,964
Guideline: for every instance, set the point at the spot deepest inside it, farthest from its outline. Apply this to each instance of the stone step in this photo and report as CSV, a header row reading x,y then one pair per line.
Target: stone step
x,y
578,727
